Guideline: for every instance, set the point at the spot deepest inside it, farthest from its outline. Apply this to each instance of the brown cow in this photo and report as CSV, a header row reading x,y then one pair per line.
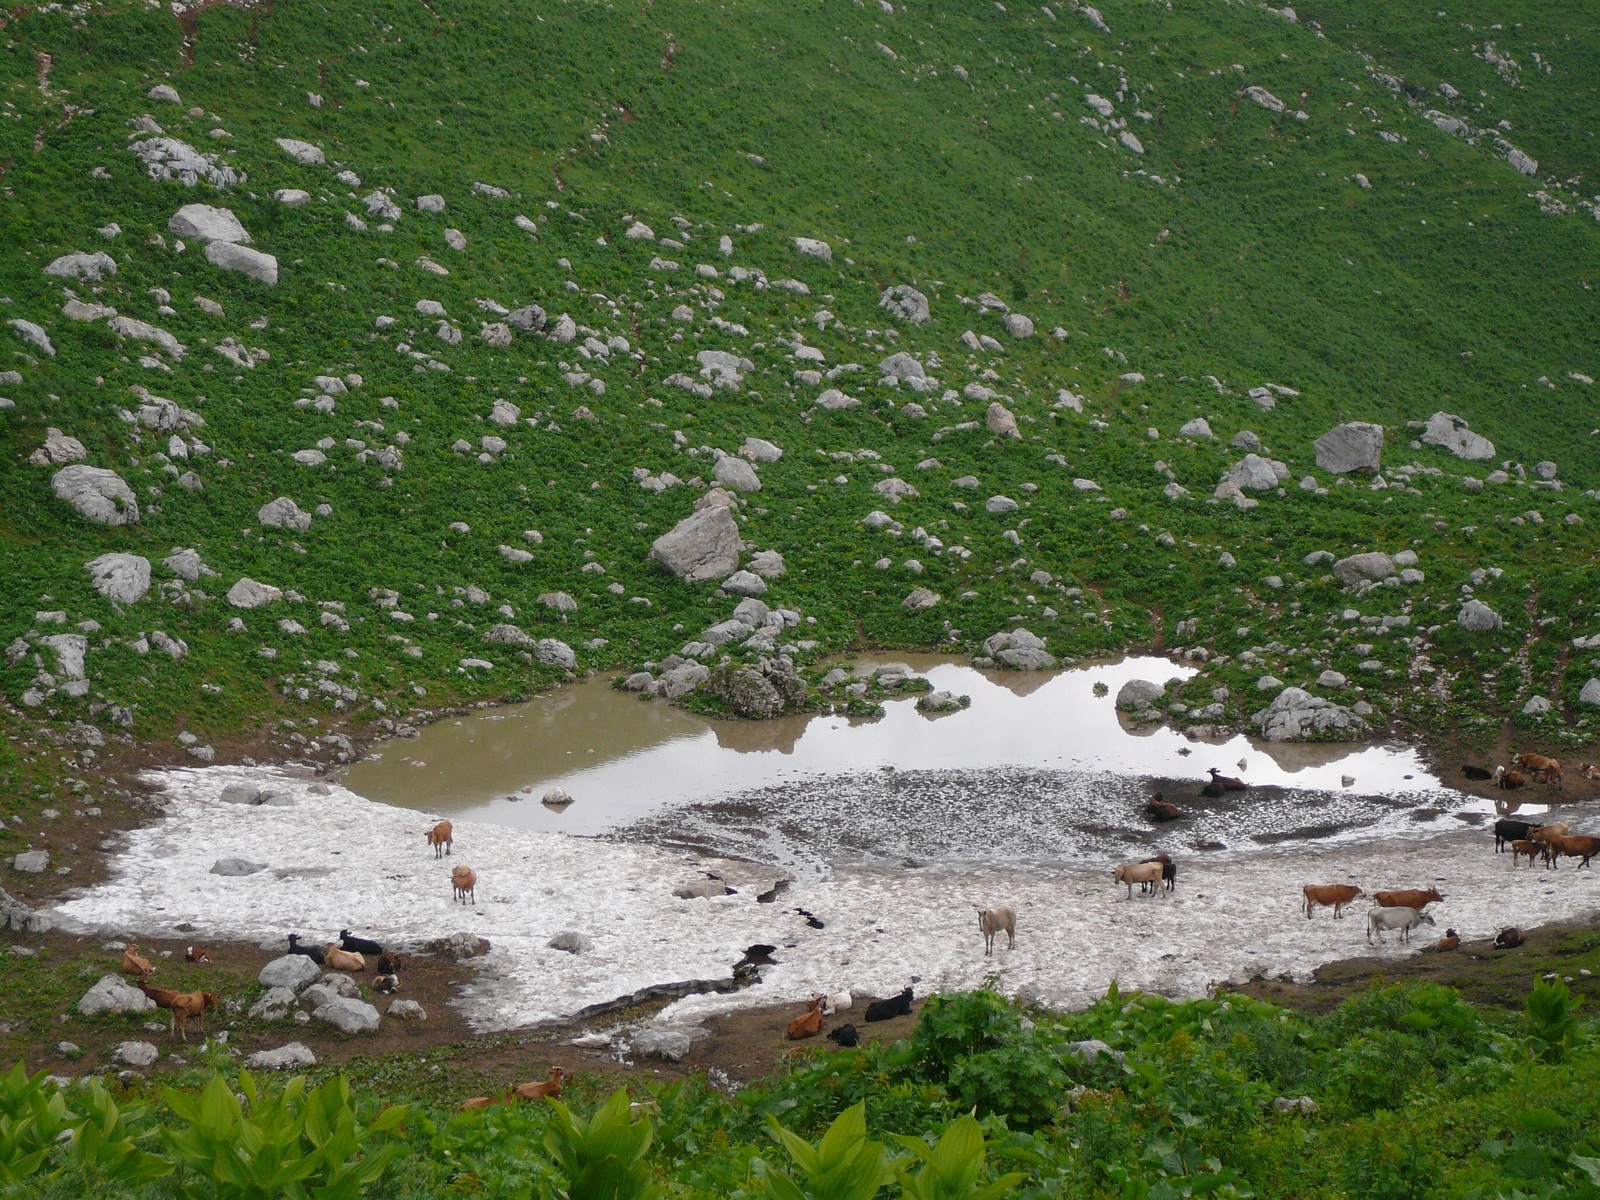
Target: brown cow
x,y
1509,780
1583,848
1448,942
1334,895
810,1024
440,838
463,881
1546,770
1407,898
548,1089
1526,846
187,1005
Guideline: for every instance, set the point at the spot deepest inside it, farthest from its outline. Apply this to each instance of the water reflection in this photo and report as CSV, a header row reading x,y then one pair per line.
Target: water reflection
x,y
624,759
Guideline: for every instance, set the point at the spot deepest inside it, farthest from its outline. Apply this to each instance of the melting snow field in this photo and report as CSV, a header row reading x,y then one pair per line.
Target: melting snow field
x,y
336,860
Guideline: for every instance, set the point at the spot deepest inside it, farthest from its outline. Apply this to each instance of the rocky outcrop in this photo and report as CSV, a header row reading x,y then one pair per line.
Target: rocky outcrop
x,y
1296,715
1356,567
1450,432
113,994
905,302
263,268
124,578
1477,617
97,494
704,545
1019,650
1140,694
1353,448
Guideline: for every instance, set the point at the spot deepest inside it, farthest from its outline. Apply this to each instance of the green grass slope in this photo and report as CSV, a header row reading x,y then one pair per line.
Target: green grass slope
x,y
949,147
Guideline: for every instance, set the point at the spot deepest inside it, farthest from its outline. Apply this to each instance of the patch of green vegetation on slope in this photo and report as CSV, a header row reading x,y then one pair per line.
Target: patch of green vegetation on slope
x,y
950,148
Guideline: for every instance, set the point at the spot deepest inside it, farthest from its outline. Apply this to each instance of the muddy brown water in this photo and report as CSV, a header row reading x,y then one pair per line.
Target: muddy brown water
x,y
1066,770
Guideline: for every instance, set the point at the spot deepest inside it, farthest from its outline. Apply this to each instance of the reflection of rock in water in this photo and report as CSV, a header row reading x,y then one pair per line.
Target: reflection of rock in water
x,y
1020,683
1012,815
745,737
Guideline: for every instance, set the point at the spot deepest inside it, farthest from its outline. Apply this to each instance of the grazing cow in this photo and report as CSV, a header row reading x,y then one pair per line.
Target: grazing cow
x,y
1159,808
1408,898
991,921
1546,770
1507,831
1403,919
1529,847
1546,833
1509,938
358,945
1583,848
1509,780
545,1090
893,1006
1479,773
440,838
808,1025
846,1036
463,882
1227,782
1330,895
190,1005
1448,942
1132,873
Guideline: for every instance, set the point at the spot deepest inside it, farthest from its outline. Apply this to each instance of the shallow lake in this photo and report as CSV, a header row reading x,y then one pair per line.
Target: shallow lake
x,y
1039,767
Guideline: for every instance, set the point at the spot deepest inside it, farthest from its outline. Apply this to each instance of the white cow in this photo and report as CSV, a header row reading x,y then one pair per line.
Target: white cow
x,y
991,921
1403,919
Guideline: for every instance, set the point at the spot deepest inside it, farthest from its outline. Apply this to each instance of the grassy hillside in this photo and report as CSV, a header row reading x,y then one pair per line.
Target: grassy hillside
x,y
948,147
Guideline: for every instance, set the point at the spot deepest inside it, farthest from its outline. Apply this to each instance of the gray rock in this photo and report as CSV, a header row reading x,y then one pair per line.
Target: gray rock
x,y
1545,469
135,1054
205,223
834,400
1317,557
432,203
380,206
767,563
1001,422
814,248
639,681
1296,714
668,1044
1357,567
1253,473
745,690
1197,428
293,1055
274,1006
263,268
247,593
234,868
31,862
745,583
1019,650
905,302
1331,679
113,994
1353,448
295,972
70,649
704,545
1590,693
509,635
165,414
1477,617
92,267
682,680
555,653
301,152
167,159
1017,325
406,1010
283,513
1451,433
1246,440
1536,706
572,942
757,450
97,494
737,474
999,504
1092,1048
124,578
347,1016
920,598
165,93
1140,693
19,918
58,449
292,197
560,601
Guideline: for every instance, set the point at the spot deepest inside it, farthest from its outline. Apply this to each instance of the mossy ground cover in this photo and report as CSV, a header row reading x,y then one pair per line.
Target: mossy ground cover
x,y
1407,1091
943,147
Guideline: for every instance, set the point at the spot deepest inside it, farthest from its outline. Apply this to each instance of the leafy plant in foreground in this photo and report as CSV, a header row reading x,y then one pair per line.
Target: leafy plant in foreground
x,y
844,1165
1553,1012
603,1157
952,1168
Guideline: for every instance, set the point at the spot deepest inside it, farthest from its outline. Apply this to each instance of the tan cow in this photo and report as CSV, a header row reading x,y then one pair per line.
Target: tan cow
x,y
1330,895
